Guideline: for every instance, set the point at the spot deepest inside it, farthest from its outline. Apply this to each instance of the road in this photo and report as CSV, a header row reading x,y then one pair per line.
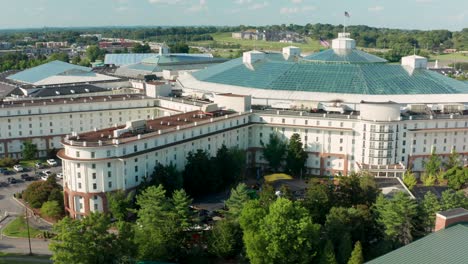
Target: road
x,y
12,208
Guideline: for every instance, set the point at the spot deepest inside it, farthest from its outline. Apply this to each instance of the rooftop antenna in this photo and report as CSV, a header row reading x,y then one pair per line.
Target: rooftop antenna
x,y
414,47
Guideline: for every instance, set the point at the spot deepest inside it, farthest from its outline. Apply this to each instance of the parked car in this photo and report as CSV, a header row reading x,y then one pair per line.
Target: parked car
x,y
3,184
60,175
38,165
18,168
7,172
12,180
30,178
52,162
47,173
44,177
24,176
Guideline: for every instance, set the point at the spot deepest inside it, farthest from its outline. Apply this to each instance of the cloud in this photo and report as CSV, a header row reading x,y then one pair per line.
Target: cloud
x,y
166,2
375,8
202,5
296,1
241,2
295,10
121,8
258,6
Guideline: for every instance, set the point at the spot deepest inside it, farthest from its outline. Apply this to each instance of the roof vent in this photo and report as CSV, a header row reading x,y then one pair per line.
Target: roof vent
x,y
86,90
57,92
250,57
343,42
72,91
414,62
291,51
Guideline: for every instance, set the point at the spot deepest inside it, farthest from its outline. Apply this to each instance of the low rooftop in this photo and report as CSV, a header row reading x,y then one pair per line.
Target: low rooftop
x,y
151,127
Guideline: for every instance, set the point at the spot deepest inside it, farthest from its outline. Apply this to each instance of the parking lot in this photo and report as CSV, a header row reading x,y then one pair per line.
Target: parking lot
x,y
8,188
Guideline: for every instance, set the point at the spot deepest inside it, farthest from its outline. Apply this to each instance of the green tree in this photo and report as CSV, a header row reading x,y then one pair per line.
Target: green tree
x,y
433,165
229,165
170,178
179,47
345,247
453,160
86,241
457,177
267,232
267,195
356,255
430,205
235,203
181,208
225,239
199,176
398,217
295,156
328,254
409,179
428,179
94,53
318,200
38,193
451,199
274,151
52,209
29,150
139,48
119,204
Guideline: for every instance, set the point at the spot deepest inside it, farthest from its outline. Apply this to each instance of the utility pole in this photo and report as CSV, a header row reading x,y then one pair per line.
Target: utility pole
x,y
27,224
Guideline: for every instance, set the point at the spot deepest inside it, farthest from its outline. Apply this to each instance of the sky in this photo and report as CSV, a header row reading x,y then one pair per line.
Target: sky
x,y
405,14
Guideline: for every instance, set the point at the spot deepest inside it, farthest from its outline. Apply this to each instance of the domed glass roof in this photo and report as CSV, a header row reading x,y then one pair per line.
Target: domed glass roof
x,y
344,56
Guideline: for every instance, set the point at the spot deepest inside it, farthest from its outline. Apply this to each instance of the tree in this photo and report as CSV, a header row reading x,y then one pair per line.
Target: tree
x,y
295,156
267,195
162,224
170,178
356,255
119,204
179,47
29,150
328,254
432,166
94,53
86,241
430,205
38,193
225,239
451,199
274,151
457,177
267,232
453,160
229,165
409,179
428,179
318,200
235,203
139,48
345,247
52,209
198,174
398,217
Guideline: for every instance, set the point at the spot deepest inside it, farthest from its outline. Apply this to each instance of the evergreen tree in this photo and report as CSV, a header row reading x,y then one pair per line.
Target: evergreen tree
x,y
328,254
453,160
345,247
430,205
409,179
356,255
295,156
225,239
274,151
432,166
235,203
29,150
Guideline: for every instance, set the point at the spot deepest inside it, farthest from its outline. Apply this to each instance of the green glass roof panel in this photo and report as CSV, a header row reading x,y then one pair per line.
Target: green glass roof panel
x,y
445,246
350,56
366,78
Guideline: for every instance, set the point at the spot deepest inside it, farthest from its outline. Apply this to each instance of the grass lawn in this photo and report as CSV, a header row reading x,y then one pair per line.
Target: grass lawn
x,y
453,57
23,259
30,163
225,37
18,228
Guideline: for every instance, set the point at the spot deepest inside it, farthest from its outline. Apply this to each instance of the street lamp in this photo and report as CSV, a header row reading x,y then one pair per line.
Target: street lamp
x,y
27,224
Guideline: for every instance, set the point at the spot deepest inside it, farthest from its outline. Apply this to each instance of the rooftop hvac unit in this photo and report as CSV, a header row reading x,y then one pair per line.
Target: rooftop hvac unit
x,y
418,108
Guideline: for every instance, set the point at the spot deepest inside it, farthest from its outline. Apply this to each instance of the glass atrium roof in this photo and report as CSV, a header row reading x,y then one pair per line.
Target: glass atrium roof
x,y
47,70
345,56
275,73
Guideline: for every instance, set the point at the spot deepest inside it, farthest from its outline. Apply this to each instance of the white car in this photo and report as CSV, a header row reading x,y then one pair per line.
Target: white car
x,y
52,162
47,173
44,177
60,175
18,168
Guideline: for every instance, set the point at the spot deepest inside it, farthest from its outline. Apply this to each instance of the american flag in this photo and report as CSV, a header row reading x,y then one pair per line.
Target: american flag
x,y
346,14
324,42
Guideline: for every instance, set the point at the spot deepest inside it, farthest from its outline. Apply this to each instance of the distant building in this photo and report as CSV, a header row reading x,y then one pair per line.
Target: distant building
x,y
97,36
112,46
52,44
449,51
251,34
5,45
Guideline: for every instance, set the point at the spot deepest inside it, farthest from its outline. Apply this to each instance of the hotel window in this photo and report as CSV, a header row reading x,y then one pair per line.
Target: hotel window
x,y
109,174
108,153
94,186
79,185
77,154
93,154
283,120
136,168
93,165
94,175
78,165
306,122
135,148
109,184
78,175
136,178
95,207
108,164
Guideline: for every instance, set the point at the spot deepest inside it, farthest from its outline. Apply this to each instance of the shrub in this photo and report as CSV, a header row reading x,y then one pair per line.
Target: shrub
x,y
7,162
51,209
